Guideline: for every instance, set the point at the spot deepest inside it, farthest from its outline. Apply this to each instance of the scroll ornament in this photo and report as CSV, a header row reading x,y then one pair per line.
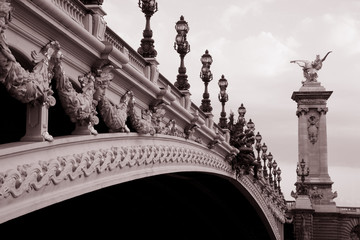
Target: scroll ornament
x,y
37,175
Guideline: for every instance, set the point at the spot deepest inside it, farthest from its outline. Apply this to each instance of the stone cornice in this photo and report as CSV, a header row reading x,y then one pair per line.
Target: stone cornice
x,y
315,95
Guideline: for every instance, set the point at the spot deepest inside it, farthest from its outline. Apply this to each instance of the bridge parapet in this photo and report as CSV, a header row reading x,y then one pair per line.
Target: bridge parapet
x,y
349,210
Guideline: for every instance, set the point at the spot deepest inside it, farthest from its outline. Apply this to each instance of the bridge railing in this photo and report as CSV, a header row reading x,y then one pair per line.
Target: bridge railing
x,y
349,210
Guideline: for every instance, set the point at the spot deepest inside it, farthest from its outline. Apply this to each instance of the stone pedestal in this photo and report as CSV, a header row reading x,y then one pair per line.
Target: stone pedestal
x,y
303,202
37,123
311,102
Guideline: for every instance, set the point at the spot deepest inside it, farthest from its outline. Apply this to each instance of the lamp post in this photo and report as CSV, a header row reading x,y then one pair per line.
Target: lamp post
x,y
241,111
274,165
206,77
223,98
279,178
258,148
146,49
301,189
264,157
182,46
270,158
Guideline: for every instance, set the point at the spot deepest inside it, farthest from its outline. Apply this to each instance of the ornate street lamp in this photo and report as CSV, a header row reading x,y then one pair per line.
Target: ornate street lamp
x,y
147,50
223,98
274,165
270,158
258,139
264,157
301,188
182,46
250,125
206,77
279,178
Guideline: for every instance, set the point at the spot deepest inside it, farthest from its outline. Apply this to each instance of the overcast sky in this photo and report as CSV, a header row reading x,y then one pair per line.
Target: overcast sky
x,y
252,43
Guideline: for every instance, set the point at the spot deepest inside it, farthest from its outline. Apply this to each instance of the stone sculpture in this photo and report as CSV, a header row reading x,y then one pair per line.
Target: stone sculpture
x,y
310,68
21,84
313,128
79,106
115,115
142,124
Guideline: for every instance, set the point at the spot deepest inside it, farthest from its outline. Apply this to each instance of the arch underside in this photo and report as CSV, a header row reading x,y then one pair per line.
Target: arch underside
x,y
89,166
184,205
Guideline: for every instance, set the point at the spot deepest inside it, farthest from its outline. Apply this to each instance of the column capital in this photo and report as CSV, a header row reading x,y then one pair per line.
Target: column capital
x,y
302,111
322,110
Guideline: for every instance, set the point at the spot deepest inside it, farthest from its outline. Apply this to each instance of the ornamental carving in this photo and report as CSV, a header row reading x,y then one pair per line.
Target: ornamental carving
x,y
79,106
302,111
321,194
35,176
143,123
157,115
313,128
115,115
21,84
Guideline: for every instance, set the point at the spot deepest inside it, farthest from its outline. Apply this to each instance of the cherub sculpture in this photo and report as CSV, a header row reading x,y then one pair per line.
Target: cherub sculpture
x,y
310,68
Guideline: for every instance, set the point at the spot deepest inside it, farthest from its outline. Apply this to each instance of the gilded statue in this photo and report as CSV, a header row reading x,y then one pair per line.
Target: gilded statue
x,y
310,68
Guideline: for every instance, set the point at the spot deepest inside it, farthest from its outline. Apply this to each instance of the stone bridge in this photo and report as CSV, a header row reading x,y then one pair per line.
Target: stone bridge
x,y
82,111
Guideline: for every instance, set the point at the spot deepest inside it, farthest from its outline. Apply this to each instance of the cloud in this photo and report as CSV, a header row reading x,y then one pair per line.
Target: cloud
x,y
264,54
329,31
344,32
234,13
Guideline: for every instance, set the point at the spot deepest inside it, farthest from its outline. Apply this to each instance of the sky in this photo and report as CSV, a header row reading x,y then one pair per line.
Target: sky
x,y
252,43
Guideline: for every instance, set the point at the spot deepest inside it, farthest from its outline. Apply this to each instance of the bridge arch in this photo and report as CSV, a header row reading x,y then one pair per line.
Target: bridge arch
x,y
76,165
185,205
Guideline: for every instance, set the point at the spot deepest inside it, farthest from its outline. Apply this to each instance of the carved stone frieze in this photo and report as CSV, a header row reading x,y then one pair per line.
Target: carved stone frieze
x,y
312,101
37,175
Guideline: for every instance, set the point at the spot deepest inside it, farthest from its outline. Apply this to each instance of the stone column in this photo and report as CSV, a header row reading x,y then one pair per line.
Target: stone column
x,y
311,102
